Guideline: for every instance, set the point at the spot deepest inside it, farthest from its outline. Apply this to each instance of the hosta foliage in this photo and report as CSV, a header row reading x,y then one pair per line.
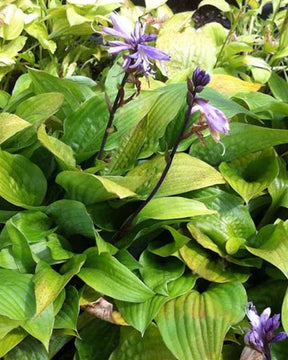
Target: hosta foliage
x,y
175,284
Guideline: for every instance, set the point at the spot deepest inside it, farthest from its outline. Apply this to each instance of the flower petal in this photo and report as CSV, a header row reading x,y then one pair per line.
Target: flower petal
x,y
218,122
123,25
153,53
279,337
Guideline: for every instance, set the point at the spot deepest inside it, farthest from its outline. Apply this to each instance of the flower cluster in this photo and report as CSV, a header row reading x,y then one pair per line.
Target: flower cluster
x,y
261,334
212,117
139,54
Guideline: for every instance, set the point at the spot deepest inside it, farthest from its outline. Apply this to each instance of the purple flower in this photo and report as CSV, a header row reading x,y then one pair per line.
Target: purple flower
x,y
215,119
139,55
200,79
261,334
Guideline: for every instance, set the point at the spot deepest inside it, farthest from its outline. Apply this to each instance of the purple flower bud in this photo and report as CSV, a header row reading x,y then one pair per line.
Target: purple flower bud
x,y
200,79
260,336
139,54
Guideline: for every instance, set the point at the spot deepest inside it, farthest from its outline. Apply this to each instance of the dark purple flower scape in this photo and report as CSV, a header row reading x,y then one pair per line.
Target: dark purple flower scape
x,y
139,56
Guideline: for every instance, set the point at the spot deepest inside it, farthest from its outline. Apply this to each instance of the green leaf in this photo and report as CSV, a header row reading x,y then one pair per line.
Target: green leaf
x,y
29,349
256,138
133,346
186,173
74,94
17,295
39,108
280,350
98,339
219,4
13,24
89,188
68,314
258,102
140,315
172,208
62,152
107,275
130,115
125,156
268,294
168,249
271,245
252,173
22,182
41,327
13,338
84,128
154,4
194,325
39,31
71,217
12,48
45,275
7,260
20,248
10,125
279,87
187,49
164,110
7,325
157,272
4,98
34,225
211,268
284,314
232,221
278,189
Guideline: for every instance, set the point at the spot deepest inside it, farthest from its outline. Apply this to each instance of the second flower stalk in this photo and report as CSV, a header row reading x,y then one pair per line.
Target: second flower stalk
x,y
139,60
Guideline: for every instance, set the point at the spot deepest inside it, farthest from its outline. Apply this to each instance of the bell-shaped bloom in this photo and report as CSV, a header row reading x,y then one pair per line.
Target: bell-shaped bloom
x,y
215,119
139,56
261,334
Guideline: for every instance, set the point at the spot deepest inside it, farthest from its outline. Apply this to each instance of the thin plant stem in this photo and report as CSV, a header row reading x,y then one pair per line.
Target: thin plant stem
x,y
126,225
111,116
231,31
